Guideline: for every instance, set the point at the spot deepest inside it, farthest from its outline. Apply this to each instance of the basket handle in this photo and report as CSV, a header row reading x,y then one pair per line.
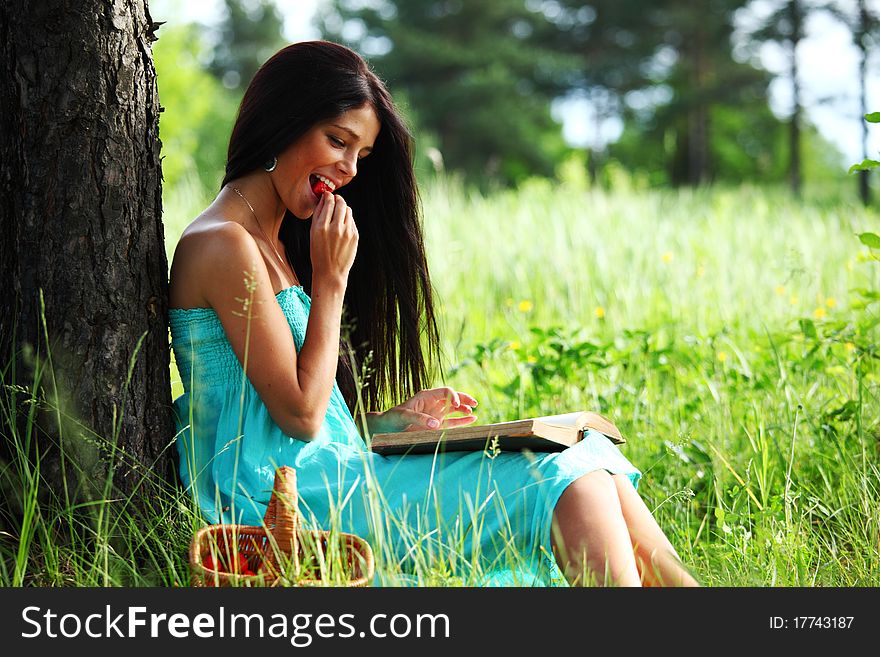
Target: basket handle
x,y
281,516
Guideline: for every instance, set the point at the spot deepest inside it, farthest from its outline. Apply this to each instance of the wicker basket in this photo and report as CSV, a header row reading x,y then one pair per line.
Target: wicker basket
x,y
281,553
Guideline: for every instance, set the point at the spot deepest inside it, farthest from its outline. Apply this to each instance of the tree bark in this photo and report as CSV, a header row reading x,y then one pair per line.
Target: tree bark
x,y
698,114
82,245
861,40
690,163
794,164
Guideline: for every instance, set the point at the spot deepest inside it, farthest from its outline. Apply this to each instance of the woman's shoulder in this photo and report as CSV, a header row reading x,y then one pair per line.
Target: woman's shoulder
x,y
208,246
212,231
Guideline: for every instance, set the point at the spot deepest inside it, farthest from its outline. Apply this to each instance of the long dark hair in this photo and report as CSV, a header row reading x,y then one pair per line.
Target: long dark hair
x,y
389,302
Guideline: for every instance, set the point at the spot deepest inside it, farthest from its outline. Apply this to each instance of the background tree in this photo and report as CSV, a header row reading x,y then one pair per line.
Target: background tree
x,y
693,113
81,245
479,76
865,33
250,33
611,42
479,79
785,24
863,22
865,29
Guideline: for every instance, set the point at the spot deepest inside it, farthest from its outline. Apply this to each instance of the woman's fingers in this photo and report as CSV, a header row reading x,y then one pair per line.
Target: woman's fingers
x,y
340,211
415,421
445,396
343,221
408,420
454,400
334,237
325,208
467,399
451,422
460,398
430,422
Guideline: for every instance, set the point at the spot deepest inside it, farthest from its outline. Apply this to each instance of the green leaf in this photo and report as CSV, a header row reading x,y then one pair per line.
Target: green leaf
x,y
871,240
864,165
873,117
845,412
808,328
874,295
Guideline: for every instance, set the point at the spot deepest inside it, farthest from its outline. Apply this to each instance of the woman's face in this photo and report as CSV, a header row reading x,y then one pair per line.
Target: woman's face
x,y
330,149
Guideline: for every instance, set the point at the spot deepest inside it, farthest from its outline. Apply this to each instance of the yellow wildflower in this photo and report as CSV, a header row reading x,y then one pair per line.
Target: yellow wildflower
x,y
819,313
830,302
600,312
531,359
525,306
849,346
780,290
722,356
793,300
667,257
514,345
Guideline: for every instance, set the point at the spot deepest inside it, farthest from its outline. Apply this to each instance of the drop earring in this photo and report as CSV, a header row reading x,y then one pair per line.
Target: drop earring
x,y
270,165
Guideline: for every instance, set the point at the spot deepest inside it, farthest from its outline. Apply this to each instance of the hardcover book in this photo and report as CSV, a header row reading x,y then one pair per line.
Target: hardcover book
x,y
551,433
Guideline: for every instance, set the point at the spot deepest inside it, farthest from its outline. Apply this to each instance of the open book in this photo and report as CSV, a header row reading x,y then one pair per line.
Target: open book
x,y
551,433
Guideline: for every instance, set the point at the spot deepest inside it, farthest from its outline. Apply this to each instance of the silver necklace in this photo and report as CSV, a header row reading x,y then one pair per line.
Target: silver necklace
x,y
265,237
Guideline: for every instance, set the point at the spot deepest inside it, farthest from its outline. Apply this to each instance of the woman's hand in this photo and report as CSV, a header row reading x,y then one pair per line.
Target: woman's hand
x,y
427,409
334,239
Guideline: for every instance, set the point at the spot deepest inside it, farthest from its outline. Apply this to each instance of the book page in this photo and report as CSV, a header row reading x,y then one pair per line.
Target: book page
x,y
563,420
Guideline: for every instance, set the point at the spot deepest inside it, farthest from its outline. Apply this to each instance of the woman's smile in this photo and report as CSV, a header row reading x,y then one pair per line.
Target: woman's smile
x,y
326,158
320,184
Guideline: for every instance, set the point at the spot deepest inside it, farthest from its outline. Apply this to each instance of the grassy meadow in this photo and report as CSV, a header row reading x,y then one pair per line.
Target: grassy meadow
x,y
729,332
724,330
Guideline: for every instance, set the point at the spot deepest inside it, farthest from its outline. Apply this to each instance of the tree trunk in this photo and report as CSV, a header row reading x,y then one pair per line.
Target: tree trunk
x,y
794,163
81,245
698,144
601,111
698,111
862,44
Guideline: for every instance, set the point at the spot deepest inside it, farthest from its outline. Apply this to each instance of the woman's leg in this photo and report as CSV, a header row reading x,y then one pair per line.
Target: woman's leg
x,y
657,560
590,535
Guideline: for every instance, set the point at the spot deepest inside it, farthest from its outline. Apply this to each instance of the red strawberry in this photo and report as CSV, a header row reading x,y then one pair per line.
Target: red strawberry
x,y
224,564
320,187
209,564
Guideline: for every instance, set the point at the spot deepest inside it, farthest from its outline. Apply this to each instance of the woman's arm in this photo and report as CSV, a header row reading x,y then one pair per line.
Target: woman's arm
x,y
294,387
333,244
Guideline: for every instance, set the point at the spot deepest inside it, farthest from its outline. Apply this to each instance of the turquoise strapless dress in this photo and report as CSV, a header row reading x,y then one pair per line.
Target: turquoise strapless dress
x,y
470,504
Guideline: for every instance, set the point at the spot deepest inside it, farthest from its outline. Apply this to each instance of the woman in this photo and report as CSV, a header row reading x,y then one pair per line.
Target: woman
x,y
317,219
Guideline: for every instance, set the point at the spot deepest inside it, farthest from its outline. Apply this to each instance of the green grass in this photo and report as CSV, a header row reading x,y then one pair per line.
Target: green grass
x,y
730,333
722,329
